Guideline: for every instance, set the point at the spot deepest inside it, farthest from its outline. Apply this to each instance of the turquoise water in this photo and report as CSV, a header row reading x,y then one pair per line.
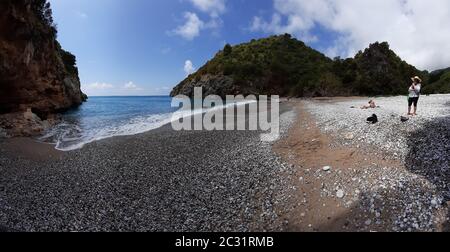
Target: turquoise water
x,y
104,117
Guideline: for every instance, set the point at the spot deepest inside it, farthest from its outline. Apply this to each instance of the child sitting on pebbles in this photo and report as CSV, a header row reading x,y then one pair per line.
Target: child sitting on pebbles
x,y
371,105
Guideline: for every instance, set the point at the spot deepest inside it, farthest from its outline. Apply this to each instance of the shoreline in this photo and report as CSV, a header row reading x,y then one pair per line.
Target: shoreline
x,y
161,180
167,119
18,141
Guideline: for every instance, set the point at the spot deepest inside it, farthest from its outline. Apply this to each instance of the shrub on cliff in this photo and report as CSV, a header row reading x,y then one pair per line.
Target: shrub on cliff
x,y
69,60
439,86
43,10
227,50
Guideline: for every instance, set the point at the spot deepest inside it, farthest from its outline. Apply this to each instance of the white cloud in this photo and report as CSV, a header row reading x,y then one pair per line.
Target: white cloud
x,y
130,86
417,30
193,24
189,67
191,28
99,86
295,25
213,7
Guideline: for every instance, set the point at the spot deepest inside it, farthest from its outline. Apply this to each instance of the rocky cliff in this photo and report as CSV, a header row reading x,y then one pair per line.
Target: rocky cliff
x,y
284,66
38,79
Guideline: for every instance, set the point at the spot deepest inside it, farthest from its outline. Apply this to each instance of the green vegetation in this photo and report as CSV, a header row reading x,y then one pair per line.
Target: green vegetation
x,y
286,66
377,71
227,50
43,12
278,63
440,82
69,60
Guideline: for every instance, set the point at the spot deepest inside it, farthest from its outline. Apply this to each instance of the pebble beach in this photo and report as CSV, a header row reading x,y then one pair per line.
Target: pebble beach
x,y
404,183
162,180
329,171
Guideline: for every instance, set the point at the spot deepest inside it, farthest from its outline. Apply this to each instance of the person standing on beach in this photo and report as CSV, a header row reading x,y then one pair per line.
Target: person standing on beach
x,y
414,94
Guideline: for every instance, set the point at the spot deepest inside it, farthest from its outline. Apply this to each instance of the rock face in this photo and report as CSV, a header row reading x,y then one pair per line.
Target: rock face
x,y
38,79
212,85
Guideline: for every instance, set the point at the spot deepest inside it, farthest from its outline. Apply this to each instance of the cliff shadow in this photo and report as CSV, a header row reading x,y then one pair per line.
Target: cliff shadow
x,y
381,211
429,156
424,209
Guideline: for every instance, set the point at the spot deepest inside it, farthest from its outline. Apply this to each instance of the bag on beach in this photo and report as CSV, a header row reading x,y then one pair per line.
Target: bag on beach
x,y
373,119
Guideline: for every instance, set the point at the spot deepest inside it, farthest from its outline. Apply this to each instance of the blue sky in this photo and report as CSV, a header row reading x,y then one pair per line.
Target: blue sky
x,y
141,47
133,43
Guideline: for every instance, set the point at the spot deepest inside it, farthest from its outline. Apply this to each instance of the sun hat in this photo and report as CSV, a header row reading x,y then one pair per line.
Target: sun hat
x,y
416,78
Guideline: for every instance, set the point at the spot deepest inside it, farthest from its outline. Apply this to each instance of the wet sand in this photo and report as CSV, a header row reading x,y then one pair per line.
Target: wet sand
x,y
30,149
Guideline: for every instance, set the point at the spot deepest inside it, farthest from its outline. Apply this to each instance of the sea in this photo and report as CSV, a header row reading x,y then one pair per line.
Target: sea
x,y
105,117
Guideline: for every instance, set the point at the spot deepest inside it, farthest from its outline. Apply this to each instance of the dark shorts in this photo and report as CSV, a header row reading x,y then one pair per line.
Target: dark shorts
x,y
414,101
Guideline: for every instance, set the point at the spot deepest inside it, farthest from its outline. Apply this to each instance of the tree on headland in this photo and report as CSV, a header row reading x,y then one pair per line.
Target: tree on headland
x,y
227,50
48,14
44,11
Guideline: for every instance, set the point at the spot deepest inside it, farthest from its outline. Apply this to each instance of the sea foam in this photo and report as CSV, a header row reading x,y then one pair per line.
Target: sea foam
x,y
69,136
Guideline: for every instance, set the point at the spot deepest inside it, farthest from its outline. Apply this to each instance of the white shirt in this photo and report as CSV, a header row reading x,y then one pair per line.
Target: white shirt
x,y
415,92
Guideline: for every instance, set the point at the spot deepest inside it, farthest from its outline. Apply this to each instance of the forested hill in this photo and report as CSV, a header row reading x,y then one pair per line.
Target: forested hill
x,y
285,66
439,82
